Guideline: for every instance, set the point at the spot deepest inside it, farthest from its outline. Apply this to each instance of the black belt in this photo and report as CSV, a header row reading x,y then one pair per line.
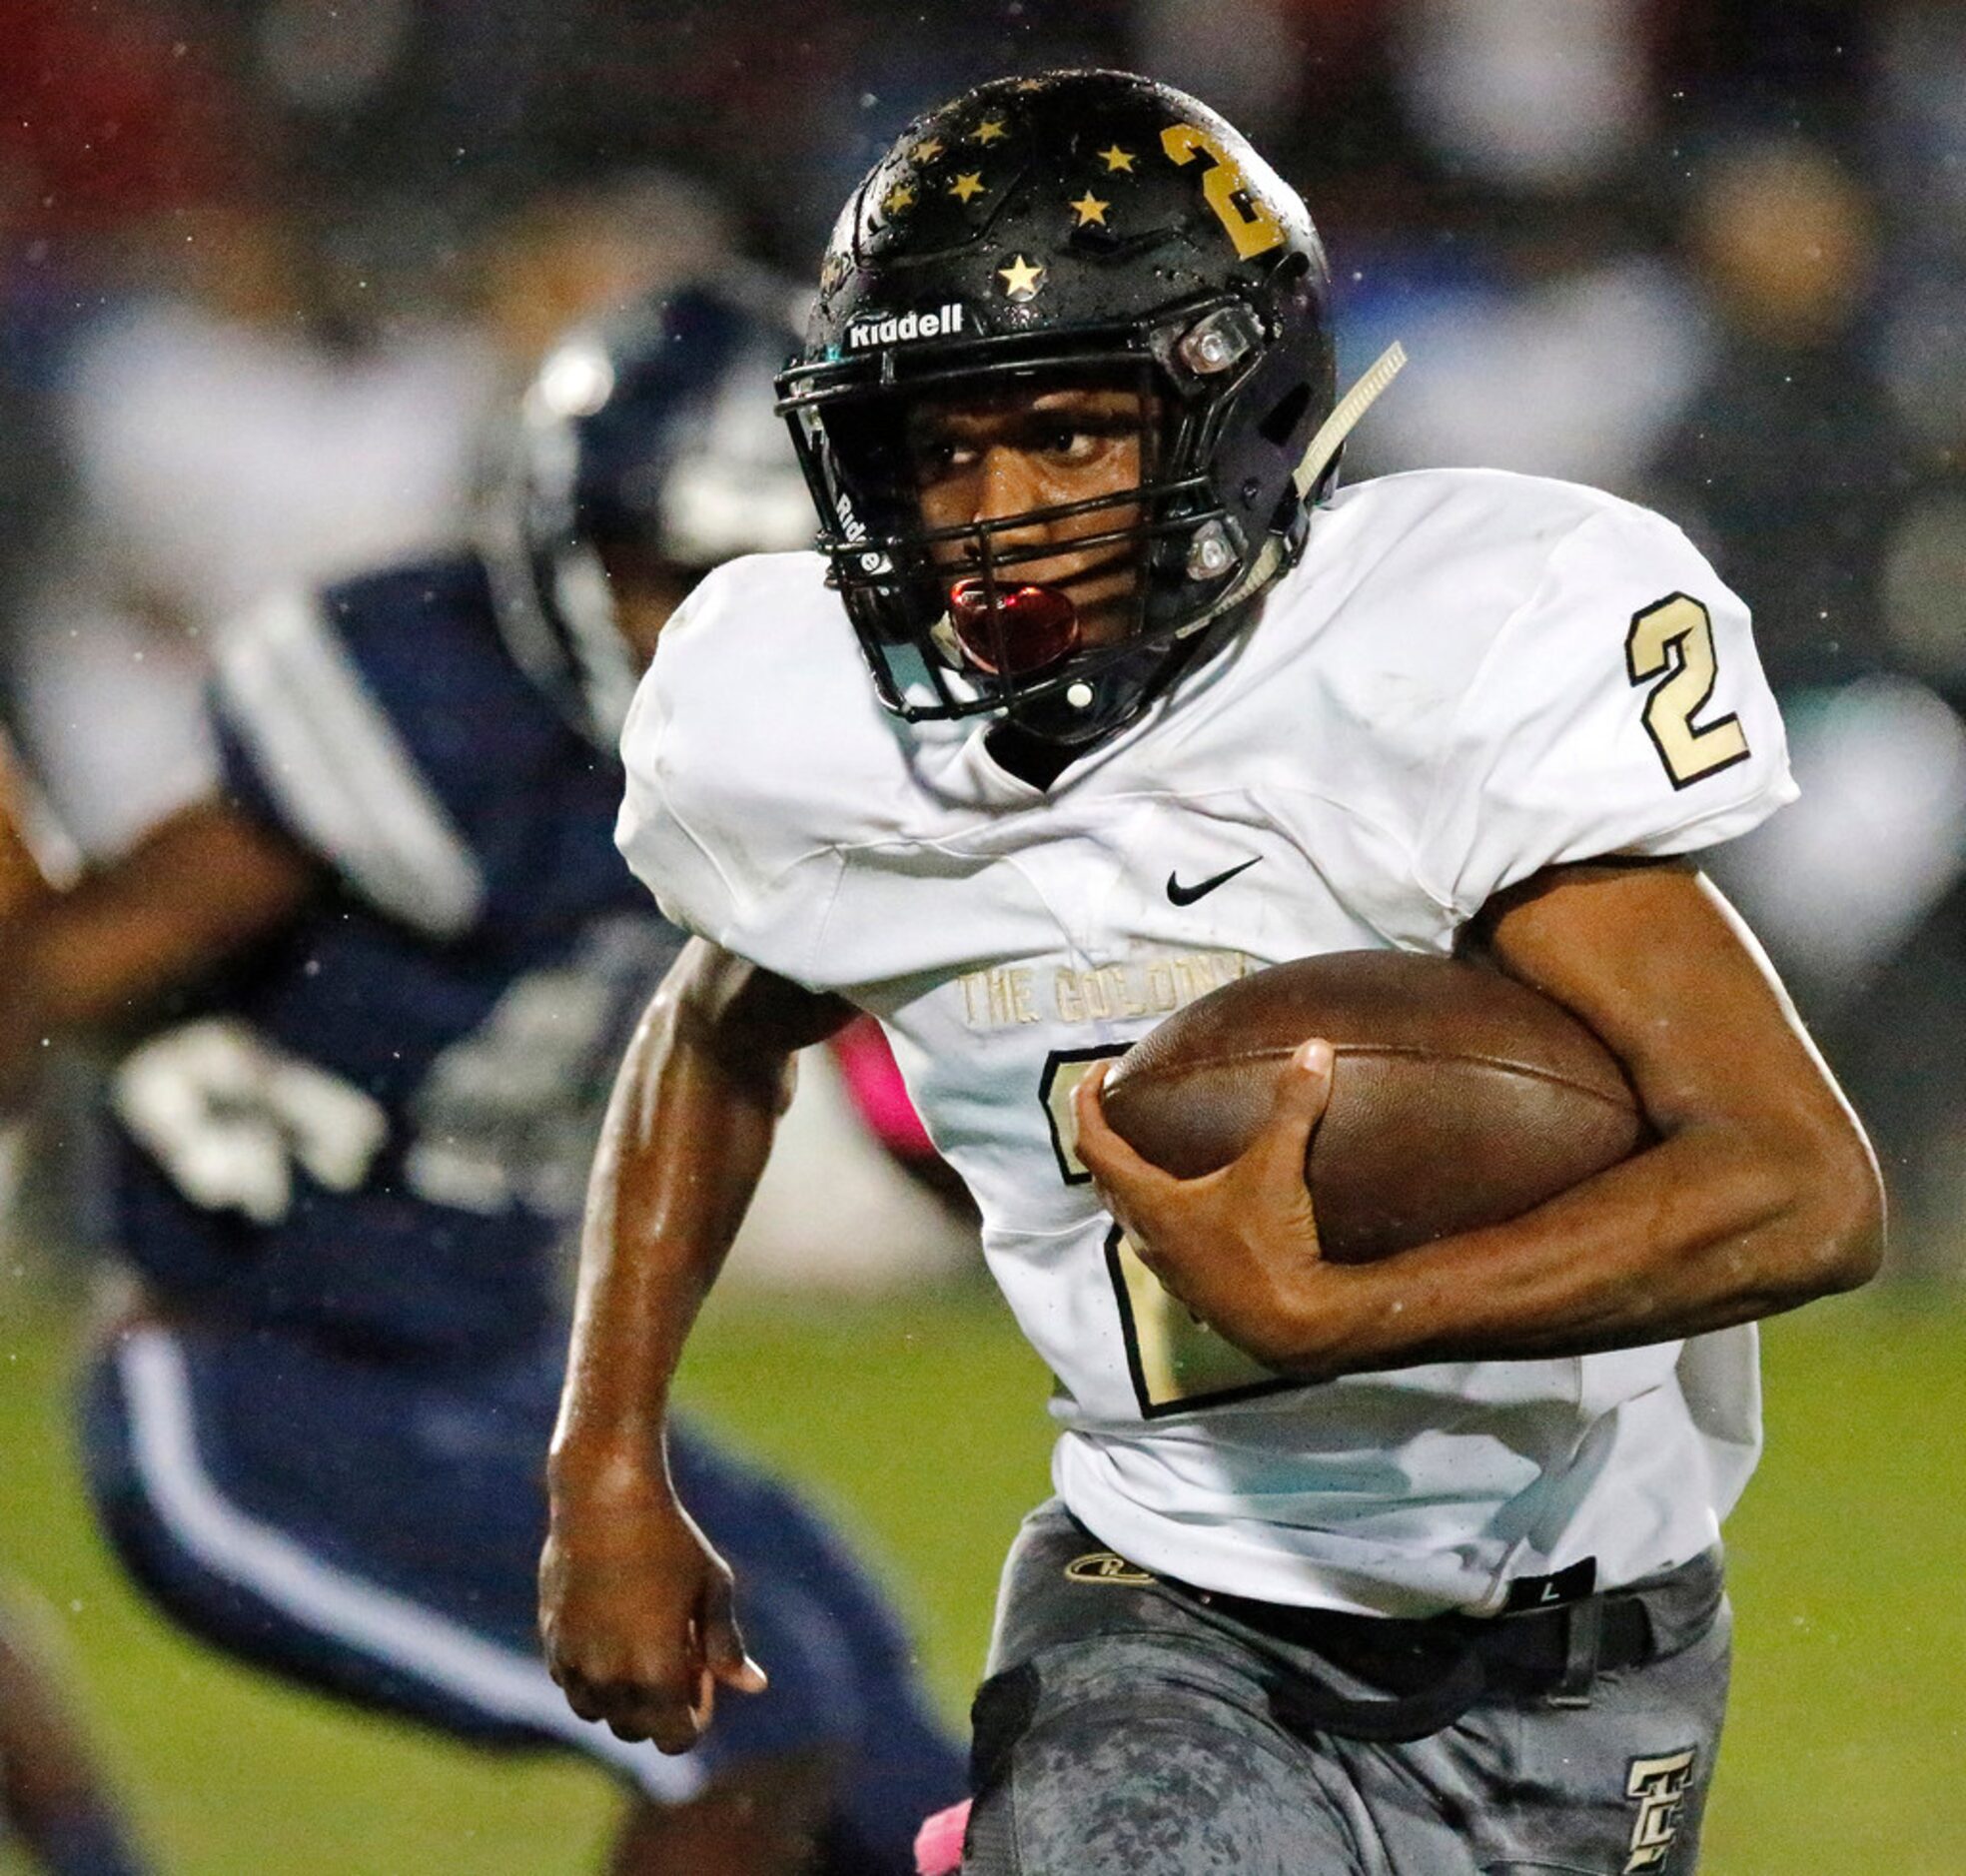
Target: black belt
x,y
1432,1670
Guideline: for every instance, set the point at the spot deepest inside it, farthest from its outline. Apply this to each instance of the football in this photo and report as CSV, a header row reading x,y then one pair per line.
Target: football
x,y
1460,1096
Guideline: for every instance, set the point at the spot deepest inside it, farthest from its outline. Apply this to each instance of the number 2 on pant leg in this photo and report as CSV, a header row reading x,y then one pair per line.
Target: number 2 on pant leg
x,y
1673,642
1176,1362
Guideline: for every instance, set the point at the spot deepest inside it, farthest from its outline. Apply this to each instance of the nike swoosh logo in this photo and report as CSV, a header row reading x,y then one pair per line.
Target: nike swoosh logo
x,y
1177,894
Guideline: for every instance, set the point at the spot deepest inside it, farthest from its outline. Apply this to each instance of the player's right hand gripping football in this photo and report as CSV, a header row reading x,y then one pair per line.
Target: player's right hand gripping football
x,y
636,1607
1240,1246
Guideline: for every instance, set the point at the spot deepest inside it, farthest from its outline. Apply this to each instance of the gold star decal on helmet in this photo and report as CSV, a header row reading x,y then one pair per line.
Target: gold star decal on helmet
x,y
968,184
1091,210
989,130
900,197
926,152
1117,159
1021,278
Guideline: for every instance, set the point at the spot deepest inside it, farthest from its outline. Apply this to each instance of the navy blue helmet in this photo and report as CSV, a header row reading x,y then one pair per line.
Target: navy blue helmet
x,y
651,439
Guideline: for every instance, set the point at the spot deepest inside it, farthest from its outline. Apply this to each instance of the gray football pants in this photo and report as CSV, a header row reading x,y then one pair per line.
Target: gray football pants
x,y
1127,1730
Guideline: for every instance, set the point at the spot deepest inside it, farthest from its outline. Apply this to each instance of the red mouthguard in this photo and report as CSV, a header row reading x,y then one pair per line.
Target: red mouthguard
x,y
1033,627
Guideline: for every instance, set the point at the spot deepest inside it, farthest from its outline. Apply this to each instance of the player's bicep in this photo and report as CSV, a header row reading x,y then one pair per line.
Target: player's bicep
x,y
716,1040
1653,958
692,1117
1748,1116
748,1019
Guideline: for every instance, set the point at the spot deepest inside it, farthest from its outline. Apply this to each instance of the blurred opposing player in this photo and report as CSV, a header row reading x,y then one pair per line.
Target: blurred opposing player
x,y
404,953
52,1798
1409,1567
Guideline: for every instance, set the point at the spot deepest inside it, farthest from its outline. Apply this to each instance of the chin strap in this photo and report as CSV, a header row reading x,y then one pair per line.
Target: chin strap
x,y
1325,446
1345,415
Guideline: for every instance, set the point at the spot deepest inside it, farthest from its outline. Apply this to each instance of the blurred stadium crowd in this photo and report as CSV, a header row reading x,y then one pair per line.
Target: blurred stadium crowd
x,y
271,268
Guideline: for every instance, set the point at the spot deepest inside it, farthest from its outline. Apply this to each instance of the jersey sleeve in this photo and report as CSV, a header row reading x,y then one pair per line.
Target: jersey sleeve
x,y
1619,709
691,888
722,814
690,847
306,745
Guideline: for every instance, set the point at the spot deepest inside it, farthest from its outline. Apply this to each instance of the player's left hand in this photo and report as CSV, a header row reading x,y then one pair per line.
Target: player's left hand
x,y
1238,1246
636,1609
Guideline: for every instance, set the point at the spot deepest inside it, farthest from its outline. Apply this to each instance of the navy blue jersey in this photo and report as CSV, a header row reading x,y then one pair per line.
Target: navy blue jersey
x,y
377,1124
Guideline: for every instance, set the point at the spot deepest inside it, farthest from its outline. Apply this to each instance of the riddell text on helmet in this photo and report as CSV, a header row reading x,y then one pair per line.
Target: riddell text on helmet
x,y
943,323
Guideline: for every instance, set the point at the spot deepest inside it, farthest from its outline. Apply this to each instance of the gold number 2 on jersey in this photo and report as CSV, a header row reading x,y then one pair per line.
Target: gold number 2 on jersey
x,y
1673,642
1175,1361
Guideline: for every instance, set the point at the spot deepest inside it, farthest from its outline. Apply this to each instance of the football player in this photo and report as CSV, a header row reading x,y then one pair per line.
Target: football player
x,y
54,1800
404,956
1409,1567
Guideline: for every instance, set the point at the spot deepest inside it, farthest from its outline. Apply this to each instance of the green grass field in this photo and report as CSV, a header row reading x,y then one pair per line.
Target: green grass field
x,y
920,1422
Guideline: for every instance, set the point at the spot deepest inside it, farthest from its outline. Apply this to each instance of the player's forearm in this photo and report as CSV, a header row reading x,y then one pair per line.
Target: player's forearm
x,y
1711,1228
22,882
681,1152
56,982
77,960
685,1140
194,889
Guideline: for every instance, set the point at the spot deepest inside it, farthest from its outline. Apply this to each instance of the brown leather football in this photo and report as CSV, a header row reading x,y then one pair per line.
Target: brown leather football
x,y
1460,1096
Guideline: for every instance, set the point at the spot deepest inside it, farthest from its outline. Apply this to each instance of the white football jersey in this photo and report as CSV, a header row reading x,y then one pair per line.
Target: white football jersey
x,y
1472,675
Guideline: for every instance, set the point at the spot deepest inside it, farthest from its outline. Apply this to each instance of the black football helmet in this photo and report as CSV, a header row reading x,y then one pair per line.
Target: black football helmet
x,y
1090,225
651,432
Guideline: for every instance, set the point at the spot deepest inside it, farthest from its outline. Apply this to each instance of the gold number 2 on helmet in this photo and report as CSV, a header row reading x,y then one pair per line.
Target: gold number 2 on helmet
x,y
1673,642
1251,226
